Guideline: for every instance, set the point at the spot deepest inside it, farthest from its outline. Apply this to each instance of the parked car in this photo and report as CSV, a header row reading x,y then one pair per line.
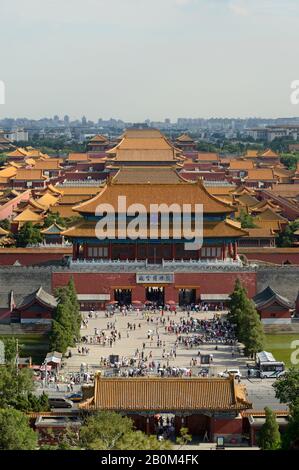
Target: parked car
x,y
226,373
75,397
58,402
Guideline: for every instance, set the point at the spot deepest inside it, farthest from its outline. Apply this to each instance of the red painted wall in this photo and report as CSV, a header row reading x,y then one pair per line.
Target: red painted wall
x,y
275,257
9,257
208,283
227,426
275,314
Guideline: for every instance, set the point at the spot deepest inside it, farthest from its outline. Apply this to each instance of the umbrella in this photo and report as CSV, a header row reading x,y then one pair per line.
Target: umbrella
x,y
113,302
171,302
148,302
136,302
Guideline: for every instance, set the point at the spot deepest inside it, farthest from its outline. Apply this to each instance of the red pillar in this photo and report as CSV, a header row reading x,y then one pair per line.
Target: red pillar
x,y
75,251
235,250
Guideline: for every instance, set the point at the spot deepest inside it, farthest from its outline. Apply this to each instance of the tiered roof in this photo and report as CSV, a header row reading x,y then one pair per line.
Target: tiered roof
x,y
98,139
151,175
261,174
241,165
270,214
269,154
29,175
28,215
208,157
185,138
53,229
268,297
251,154
225,228
146,194
78,157
265,204
144,145
166,394
41,296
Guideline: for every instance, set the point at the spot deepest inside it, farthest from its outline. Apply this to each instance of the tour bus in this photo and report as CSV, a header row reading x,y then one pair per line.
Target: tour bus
x,y
267,365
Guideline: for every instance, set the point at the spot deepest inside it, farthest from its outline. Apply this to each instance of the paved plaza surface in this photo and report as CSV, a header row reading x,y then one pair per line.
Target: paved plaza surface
x,y
260,392
133,340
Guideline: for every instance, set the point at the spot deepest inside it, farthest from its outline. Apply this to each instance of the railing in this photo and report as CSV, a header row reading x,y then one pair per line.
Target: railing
x,y
109,262
51,245
164,263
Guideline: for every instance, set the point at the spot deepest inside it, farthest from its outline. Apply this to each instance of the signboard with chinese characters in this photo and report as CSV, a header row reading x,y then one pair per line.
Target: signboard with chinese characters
x,y
155,278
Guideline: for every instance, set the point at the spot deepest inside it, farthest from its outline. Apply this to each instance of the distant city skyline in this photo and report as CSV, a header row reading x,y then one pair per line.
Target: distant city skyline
x,y
135,60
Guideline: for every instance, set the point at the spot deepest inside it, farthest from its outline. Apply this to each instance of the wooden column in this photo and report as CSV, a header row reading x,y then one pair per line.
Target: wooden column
x,y
75,251
235,250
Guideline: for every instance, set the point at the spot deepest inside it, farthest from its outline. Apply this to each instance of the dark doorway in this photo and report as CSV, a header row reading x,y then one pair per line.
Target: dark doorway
x,y
155,295
123,296
187,296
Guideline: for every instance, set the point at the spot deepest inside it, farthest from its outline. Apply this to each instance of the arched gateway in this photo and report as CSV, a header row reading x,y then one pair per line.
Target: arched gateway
x,y
207,407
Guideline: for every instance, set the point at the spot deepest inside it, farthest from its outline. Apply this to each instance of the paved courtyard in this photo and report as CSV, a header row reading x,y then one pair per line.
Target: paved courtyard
x,y
145,323
260,392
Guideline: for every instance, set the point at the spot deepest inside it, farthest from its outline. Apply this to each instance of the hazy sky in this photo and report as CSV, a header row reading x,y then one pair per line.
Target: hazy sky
x,y
138,59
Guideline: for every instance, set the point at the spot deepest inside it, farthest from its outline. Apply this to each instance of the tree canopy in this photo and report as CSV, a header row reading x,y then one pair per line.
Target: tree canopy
x,y
243,314
29,234
287,387
16,433
286,238
67,319
110,431
247,221
269,435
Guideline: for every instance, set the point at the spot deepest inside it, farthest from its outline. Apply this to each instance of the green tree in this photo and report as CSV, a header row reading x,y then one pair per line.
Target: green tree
x,y
290,438
60,338
110,431
290,160
238,301
269,435
67,319
105,431
52,218
14,384
16,433
242,313
286,238
72,294
28,235
137,440
184,437
287,387
247,221
251,330
5,224
11,347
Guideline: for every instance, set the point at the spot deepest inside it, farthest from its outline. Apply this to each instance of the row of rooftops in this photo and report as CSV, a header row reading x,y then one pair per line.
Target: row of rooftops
x,y
150,184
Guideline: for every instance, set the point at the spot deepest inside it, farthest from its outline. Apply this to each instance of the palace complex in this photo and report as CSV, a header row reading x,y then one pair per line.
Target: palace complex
x,y
139,258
